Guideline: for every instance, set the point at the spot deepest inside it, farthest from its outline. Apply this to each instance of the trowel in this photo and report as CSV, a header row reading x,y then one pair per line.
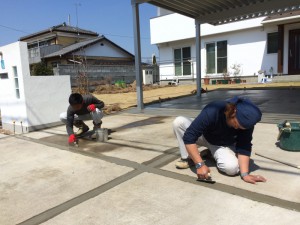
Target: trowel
x,y
208,180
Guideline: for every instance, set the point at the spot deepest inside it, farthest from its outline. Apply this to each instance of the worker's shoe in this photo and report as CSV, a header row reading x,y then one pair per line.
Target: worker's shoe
x,y
184,163
82,127
97,125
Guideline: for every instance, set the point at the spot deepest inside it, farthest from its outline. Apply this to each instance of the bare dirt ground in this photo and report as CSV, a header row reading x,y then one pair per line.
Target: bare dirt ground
x,y
120,101
115,100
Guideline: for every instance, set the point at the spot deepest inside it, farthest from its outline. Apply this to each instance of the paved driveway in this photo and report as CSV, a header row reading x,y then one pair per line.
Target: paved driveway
x,y
132,179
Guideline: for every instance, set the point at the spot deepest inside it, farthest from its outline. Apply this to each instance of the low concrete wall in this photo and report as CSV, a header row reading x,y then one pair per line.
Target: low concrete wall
x,y
248,79
27,102
286,78
102,72
98,73
46,97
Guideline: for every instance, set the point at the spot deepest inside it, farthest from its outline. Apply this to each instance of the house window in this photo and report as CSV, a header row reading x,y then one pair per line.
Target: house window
x,y
34,52
182,61
148,72
16,79
272,43
216,57
3,75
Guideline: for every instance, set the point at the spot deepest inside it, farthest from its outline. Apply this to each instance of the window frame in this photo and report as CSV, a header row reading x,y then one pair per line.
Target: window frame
x,y
16,81
183,63
268,50
216,56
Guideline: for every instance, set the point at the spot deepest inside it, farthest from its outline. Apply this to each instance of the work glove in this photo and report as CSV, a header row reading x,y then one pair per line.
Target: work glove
x,y
91,108
72,139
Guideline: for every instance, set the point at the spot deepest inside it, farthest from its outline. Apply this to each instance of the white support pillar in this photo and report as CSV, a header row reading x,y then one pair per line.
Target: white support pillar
x,y
198,57
137,53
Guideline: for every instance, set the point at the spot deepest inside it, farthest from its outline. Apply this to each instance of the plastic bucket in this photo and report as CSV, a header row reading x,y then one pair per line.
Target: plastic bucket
x,y
289,136
101,135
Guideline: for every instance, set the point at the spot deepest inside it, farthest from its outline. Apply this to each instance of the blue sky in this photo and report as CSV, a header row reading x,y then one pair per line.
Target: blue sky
x,y
113,18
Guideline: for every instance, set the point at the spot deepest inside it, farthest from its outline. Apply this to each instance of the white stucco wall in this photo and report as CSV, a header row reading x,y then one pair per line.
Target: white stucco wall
x,y
12,108
246,41
245,47
42,98
105,50
175,27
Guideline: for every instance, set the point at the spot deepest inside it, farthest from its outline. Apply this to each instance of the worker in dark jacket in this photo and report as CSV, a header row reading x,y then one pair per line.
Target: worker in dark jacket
x,y
82,107
225,128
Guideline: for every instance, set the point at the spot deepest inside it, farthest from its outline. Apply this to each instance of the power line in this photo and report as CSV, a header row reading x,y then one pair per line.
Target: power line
x,y
14,29
107,34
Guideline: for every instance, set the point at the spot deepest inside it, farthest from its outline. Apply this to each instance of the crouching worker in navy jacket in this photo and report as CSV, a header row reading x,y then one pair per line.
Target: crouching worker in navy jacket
x,y
225,128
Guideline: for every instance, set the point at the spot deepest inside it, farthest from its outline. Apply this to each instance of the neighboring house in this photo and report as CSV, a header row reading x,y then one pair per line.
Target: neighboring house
x,y
270,44
60,44
53,39
71,51
95,51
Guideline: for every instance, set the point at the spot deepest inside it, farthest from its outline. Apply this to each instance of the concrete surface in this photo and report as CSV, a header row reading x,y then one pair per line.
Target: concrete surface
x,y
276,104
131,179
152,199
3,136
283,181
35,177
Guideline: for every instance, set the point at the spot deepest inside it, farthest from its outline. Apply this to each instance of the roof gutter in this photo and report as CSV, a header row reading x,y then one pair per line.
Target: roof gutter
x,y
281,19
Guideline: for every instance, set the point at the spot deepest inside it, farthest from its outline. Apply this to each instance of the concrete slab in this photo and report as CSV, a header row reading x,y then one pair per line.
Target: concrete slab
x,y
3,136
34,177
121,181
281,101
277,105
283,181
136,138
152,199
59,130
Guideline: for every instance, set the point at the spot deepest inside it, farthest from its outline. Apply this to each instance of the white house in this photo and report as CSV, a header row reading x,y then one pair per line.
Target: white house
x,y
27,102
270,44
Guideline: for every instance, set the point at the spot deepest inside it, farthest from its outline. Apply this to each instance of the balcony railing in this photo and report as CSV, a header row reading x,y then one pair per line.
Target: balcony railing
x,y
36,54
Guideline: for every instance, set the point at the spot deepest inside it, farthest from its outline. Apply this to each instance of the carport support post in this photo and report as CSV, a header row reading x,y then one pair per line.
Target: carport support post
x,y
137,53
198,57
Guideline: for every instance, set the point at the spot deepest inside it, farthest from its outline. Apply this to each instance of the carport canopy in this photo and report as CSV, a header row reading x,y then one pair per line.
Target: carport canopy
x,y
215,12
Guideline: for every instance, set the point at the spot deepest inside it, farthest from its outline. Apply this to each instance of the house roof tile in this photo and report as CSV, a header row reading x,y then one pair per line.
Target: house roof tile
x,y
61,27
77,46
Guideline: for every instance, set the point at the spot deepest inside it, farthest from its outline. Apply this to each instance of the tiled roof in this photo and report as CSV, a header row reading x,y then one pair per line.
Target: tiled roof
x,y
74,47
63,28
77,46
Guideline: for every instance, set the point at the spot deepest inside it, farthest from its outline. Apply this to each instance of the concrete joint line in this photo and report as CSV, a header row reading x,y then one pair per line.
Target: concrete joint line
x,y
153,166
53,212
230,190
140,142
5,138
158,161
